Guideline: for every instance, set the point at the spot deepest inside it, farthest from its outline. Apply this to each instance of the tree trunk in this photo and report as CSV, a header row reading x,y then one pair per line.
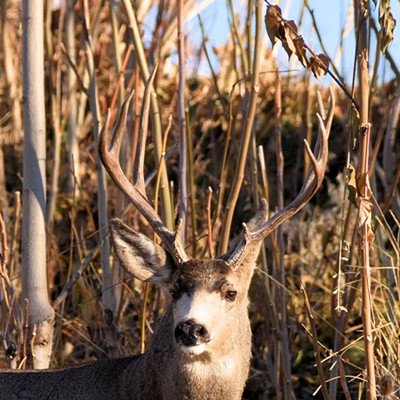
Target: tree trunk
x,y
40,315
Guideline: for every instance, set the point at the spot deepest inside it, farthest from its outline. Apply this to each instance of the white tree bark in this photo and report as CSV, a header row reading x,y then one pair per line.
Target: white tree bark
x,y
74,178
34,274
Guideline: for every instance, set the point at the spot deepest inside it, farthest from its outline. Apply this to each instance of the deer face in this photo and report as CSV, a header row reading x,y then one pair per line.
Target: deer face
x,y
208,297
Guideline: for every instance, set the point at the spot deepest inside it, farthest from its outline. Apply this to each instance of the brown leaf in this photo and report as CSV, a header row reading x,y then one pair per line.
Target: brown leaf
x,y
291,25
319,65
301,51
365,217
388,23
351,185
273,21
383,5
288,33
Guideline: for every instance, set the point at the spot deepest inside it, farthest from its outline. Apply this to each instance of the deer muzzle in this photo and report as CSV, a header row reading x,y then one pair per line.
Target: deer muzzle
x,y
190,333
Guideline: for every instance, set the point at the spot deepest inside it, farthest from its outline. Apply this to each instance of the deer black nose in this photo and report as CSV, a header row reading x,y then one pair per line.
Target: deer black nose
x,y
190,333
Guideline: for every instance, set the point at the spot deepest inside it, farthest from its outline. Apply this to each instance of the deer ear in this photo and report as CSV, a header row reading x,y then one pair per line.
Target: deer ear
x,y
140,256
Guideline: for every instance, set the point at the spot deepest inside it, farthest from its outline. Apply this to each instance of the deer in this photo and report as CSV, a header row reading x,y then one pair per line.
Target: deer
x,y
201,346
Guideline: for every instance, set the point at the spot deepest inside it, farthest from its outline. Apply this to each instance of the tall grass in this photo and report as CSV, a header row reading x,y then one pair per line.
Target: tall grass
x,y
311,282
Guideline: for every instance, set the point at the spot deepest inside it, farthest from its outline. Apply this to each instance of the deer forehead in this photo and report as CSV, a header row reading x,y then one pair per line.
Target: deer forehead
x,y
203,274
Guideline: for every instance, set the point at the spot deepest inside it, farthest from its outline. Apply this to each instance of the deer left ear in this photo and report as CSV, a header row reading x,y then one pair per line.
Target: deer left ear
x,y
140,256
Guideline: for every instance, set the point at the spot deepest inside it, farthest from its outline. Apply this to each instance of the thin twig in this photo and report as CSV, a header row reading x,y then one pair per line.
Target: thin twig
x,y
143,318
210,64
102,203
314,337
209,223
121,77
192,184
364,188
280,270
263,170
26,334
246,134
78,273
119,90
155,112
317,31
3,261
182,123
147,285
73,66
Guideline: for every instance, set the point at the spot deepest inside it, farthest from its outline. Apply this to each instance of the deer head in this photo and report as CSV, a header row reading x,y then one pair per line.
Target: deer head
x,y
196,286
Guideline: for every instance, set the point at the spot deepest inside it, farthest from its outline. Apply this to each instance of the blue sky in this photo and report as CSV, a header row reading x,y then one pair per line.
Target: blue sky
x,y
330,15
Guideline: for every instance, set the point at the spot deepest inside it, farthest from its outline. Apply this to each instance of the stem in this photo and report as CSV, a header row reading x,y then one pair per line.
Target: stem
x,y
155,113
143,318
367,314
192,185
146,284
108,293
209,223
210,65
182,123
74,178
118,61
10,66
365,194
281,245
246,135
263,173
55,89
236,33
224,169
316,345
317,31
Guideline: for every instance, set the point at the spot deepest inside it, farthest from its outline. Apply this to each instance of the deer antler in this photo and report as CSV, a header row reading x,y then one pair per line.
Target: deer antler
x,y
109,150
258,228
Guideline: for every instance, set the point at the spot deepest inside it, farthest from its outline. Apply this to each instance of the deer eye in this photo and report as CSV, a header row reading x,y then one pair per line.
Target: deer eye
x,y
174,294
230,295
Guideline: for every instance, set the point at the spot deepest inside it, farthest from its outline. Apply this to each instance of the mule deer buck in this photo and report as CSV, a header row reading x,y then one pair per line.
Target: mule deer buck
x,y
201,348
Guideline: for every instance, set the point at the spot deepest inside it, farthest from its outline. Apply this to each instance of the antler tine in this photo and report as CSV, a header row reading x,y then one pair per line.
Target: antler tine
x,y
109,149
252,238
327,119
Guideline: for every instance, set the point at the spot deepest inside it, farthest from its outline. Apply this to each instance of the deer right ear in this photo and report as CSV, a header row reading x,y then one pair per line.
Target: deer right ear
x,y
140,256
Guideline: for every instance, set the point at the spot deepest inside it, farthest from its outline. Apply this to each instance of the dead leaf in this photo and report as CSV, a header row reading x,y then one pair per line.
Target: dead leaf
x,y
351,185
319,65
273,21
289,34
365,218
387,23
301,51
383,5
